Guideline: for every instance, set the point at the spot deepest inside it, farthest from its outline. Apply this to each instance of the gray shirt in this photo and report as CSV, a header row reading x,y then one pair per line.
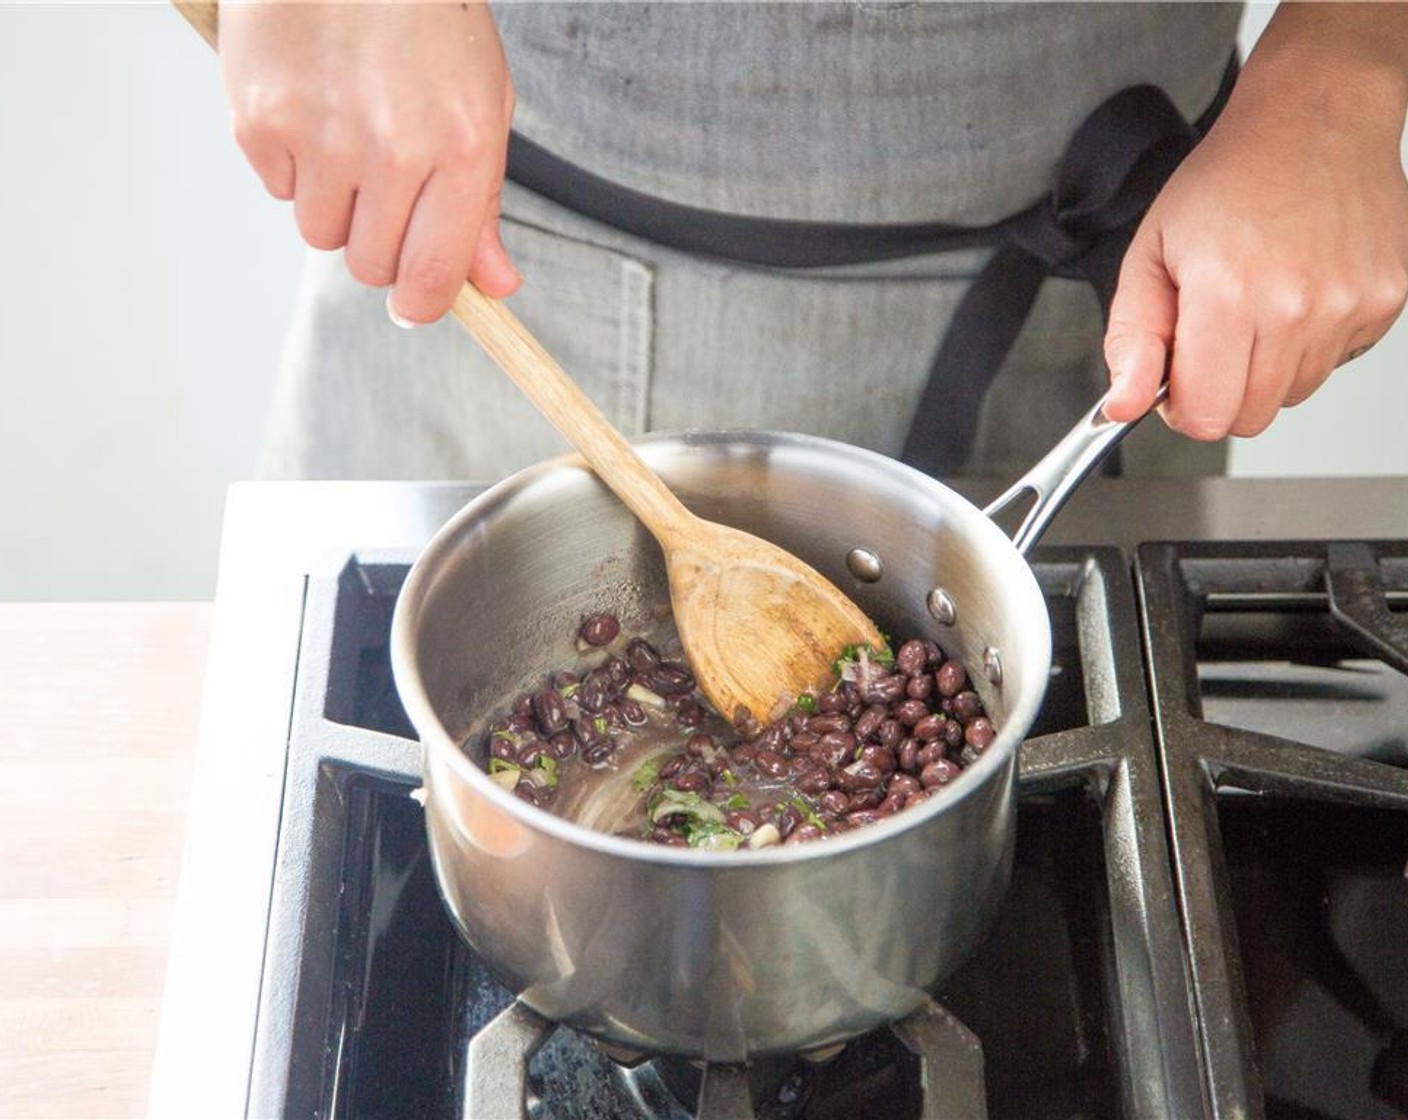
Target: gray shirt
x,y
861,112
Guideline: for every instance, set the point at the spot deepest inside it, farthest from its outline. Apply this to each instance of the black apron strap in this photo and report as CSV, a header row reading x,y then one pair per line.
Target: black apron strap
x,y
1114,166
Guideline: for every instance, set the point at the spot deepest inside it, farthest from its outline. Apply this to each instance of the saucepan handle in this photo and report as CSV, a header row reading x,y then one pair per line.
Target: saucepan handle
x,y
1062,469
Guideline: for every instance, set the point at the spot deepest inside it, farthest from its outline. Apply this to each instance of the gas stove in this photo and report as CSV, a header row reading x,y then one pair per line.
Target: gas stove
x,y
1208,902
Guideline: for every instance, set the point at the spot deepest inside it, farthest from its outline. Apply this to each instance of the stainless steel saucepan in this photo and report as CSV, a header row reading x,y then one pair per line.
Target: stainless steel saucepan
x,y
724,956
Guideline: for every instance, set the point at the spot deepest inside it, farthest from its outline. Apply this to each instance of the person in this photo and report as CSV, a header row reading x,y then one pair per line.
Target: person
x,y
1275,252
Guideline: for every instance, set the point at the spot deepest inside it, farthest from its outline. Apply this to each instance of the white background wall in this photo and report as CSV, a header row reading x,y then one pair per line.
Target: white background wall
x,y
146,285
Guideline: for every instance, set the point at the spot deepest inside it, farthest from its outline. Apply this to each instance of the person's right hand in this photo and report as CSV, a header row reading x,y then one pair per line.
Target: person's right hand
x,y
387,126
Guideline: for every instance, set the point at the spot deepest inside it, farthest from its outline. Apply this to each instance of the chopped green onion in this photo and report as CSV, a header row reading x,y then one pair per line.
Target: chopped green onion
x,y
548,765
736,802
808,813
807,703
500,765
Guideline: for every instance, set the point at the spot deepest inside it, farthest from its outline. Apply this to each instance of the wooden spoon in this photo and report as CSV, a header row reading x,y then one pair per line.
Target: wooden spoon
x,y
757,624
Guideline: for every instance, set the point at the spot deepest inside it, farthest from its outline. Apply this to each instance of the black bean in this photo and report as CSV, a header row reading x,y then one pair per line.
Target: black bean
x,y
641,656
523,707
813,780
527,791
670,678
599,629
951,678
617,672
966,706
562,745
595,691
910,712
820,725
744,753
829,703
916,797
692,781
902,783
884,690
531,751
882,758
910,658
892,804
866,798
803,741
860,776
908,755
788,819
920,687
672,766
689,714
673,839
979,734
953,733
742,820
772,763
565,679
834,801
596,753
804,832
835,748
933,655
631,712
930,727
550,711
891,733
938,773
522,721
503,748
870,721
969,755
930,753
860,818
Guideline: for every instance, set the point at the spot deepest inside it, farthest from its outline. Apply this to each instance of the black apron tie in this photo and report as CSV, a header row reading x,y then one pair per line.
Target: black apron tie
x,y
1114,166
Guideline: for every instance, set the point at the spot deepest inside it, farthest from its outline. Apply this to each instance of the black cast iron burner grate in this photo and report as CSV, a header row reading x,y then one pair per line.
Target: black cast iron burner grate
x,y
1277,672
372,1007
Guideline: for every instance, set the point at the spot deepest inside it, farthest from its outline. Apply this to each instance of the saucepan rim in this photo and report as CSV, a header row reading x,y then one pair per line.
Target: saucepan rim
x,y
436,737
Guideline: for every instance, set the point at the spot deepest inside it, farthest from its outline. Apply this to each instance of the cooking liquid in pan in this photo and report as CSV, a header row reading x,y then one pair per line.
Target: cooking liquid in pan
x,y
622,742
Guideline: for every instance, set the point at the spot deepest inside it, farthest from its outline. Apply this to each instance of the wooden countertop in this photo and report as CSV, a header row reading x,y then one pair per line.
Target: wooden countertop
x,y
98,711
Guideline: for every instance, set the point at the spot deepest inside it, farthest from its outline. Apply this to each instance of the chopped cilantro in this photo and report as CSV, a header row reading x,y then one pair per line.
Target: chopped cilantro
x,y
712,835
735,802
646,774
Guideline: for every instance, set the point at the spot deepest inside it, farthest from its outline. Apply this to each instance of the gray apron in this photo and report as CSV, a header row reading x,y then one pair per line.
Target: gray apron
x,y
873,113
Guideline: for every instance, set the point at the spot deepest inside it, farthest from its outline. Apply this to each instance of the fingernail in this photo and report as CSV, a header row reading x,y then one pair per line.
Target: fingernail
x,y
403,323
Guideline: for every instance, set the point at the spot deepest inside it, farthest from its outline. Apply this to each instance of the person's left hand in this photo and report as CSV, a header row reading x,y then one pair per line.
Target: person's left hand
x,y
1276,252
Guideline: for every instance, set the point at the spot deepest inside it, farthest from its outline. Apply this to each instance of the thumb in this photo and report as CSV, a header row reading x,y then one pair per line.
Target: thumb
x,y
1140,335
490,270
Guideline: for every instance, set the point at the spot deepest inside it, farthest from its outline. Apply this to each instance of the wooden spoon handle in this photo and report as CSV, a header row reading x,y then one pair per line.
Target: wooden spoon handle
x,y
570,410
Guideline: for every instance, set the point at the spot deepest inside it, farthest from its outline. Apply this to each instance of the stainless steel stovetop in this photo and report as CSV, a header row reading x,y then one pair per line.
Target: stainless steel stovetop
x,y
1211,971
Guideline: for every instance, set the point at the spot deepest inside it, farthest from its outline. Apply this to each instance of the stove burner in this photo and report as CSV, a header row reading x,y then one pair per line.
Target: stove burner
x,y
947,1061
1277,675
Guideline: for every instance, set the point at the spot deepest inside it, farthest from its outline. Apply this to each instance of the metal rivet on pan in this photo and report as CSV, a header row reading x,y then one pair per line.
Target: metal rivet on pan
x,y
940,604
992,665
864,565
